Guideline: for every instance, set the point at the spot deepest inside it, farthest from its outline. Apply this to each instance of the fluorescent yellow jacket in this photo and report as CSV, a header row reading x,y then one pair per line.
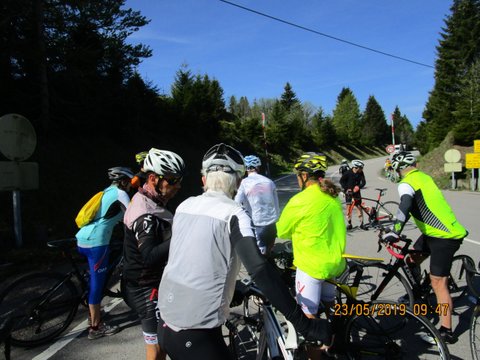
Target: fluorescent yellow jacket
x,y
314,221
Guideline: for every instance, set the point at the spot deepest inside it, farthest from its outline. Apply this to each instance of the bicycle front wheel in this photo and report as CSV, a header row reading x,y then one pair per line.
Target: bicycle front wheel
x,y
372,276
475,333
460,280
392,331
43,306
387,213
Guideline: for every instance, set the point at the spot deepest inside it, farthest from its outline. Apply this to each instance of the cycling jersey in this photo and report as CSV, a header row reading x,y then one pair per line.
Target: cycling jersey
x,y
147,238
351,179
343,168
313,220
99,231
258,194
421,198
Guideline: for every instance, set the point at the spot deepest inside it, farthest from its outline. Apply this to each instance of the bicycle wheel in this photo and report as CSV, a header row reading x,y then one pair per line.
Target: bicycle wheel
x,y
372,276
461,280
392,331
44,305
387,213
252,310
475,333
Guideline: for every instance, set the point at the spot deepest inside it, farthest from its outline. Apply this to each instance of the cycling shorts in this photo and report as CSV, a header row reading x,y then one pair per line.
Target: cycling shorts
x,y
441,253
353,196
193,343
144,301
311,291
266,237
98,264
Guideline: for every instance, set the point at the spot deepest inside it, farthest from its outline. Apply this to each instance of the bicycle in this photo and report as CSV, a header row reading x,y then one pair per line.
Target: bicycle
x,y
384,281
474,326
380,213
46,302
362,329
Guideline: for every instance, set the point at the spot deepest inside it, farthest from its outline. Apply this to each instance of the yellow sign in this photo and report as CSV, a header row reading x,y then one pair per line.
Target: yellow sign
x,y
476,146
472,160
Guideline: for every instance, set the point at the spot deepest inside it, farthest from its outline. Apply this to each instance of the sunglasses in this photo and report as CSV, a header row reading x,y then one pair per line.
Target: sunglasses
x,y
171,181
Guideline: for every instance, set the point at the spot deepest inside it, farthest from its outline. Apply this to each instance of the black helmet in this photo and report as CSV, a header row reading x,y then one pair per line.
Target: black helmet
x,y
403,159
222,157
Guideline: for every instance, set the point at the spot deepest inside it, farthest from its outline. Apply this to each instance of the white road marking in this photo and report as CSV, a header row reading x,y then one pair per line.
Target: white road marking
x,y
74,333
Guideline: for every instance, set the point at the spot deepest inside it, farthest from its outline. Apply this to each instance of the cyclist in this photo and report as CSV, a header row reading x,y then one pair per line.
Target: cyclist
x,y
147,240
211,234
258,194
352,181
139,179
313,220
388,168
344,167
441,236
93,242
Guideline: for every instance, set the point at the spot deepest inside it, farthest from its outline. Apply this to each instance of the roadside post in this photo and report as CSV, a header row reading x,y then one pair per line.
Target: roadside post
x,y
265,145
452,157
17,143
472,161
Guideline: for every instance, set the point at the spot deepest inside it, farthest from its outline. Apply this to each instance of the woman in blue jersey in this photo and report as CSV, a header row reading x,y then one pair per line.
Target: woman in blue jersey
x,y
93,242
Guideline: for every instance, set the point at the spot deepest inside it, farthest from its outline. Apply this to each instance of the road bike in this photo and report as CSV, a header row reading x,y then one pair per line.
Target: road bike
x,y
45,303
384,280
474,326
379,213
363,330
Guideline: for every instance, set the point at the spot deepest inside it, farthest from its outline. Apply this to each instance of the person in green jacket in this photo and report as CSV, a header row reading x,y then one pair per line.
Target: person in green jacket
x,y
442,234
313,220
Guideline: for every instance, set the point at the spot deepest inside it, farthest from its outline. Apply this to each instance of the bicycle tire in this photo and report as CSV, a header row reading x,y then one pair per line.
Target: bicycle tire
x,y
371,278
252,309
386,213
460,280
400,335
41,313
474,333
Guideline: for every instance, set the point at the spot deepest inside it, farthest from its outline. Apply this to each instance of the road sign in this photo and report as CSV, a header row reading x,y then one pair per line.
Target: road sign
x,y
452,156
476,146
18,175
452,167
17,137
472,160
390,149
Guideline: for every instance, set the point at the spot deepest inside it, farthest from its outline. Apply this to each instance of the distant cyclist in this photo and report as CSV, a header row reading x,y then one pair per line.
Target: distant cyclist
x,y
258,194
344,167
442,234
147,239
140,177
313,220
352,181
93,242
211,234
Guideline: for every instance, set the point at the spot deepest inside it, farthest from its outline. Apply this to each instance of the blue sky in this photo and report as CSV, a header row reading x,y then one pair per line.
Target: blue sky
x,y
254,56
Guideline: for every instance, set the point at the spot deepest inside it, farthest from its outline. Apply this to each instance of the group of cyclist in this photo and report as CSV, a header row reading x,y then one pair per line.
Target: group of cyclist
x,y
190,260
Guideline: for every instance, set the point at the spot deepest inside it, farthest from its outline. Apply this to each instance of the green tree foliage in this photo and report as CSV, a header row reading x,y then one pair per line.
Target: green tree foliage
x,y
347,117
458,48
289,98
403,129
375,129
323,131
467,126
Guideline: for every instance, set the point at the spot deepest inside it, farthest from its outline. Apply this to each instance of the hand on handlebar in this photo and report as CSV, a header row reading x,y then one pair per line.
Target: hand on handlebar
x,y
390,237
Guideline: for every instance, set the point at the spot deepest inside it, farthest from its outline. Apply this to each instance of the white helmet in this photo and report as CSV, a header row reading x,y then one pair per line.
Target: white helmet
x,y
118,173
402,160
358,163
164,163
222,157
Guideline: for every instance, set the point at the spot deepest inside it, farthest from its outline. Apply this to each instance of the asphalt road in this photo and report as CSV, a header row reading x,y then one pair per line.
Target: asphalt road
x,y
128,344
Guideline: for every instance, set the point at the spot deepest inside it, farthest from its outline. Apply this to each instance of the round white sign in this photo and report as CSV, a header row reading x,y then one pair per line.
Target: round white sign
x,y
452,156
390,149
17,137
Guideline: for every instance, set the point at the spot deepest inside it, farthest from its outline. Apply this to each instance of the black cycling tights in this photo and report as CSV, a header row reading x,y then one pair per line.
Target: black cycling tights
x,y
205,344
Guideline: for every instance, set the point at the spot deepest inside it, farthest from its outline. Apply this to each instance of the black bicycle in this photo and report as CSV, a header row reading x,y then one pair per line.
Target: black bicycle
x,y
45,303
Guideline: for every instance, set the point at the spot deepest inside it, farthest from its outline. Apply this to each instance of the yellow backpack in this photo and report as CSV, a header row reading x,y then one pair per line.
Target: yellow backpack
x,y
89,210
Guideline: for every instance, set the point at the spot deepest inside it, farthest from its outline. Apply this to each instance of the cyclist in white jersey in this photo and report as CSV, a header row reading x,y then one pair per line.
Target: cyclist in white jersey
x,y
211,233
258,194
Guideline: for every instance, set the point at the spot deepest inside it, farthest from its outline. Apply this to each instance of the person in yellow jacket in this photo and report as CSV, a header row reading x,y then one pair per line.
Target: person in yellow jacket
x,y
313,220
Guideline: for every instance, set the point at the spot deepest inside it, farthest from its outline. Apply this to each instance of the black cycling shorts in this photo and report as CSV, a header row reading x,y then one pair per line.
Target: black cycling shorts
x,y
353,196
193,344
144,301
441,253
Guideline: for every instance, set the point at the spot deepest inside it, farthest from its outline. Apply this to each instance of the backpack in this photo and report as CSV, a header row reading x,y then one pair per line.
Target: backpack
x,y
89,210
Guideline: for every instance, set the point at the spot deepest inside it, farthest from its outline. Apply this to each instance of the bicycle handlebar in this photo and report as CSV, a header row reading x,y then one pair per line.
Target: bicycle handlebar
x,y
394,249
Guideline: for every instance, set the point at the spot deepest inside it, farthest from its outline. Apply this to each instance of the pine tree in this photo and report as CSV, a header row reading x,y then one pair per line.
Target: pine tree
x,y
288,98
347,118
375,128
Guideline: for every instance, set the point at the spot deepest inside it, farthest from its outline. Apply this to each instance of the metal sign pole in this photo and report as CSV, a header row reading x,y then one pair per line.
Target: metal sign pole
x,y
393,132
265,144
453,180
17,218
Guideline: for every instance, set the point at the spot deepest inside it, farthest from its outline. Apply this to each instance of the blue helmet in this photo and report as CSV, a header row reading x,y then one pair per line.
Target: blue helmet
x,y
252,161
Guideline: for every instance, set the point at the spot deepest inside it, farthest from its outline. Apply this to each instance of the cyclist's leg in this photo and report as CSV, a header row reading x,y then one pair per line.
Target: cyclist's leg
x,y
358,204
98,263
266,237
144,301
202,343
349,208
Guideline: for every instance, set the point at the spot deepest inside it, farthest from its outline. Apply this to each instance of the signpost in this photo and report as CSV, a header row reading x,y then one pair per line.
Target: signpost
x,y
452,157
390,148
472,161
17,142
